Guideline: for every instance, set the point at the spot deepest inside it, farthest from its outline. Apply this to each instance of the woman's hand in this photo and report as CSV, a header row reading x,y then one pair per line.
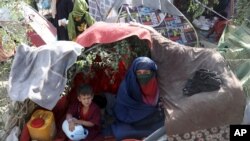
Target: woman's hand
x,y
62,22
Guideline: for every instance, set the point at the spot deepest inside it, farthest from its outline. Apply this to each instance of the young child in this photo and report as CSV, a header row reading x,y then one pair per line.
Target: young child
x,y
85,112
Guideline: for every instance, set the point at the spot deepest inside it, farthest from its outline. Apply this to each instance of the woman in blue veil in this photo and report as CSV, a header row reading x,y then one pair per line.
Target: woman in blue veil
x,y
136,108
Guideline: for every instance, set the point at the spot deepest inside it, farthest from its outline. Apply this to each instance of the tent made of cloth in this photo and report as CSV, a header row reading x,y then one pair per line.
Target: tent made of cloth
x,y
162,15
100,82
176,64
102,33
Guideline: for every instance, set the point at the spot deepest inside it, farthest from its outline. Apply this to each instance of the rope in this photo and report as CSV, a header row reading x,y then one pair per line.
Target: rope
x,y
17,119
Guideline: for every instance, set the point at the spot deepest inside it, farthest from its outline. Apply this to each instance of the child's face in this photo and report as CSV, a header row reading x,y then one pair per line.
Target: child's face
x,y
85,100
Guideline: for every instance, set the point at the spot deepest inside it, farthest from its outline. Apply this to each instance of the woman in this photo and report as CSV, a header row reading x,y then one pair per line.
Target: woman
x,y
63,8
136,107
79,19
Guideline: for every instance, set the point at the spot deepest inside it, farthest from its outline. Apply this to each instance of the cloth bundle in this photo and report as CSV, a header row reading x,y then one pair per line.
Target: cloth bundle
x,y
203,81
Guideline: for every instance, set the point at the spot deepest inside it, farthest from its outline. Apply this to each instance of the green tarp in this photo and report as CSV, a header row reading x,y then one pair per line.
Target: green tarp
x,y
234,45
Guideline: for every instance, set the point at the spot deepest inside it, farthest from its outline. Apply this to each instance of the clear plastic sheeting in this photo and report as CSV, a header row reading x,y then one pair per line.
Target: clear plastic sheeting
x,y
163,16
234,45
101,9
163,5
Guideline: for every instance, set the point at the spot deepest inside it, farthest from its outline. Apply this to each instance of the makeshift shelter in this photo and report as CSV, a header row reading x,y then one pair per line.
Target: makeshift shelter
x,y
177,63
160,14
185,115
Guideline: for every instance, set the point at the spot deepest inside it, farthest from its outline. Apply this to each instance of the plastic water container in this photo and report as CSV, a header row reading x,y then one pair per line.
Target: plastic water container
x,y
77,134
41,126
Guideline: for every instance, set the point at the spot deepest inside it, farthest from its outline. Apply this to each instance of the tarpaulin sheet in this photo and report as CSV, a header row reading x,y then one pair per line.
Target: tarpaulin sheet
x,y
234,45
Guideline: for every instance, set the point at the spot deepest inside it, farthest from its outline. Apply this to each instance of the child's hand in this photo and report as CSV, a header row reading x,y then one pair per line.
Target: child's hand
x,y
76,121
71,126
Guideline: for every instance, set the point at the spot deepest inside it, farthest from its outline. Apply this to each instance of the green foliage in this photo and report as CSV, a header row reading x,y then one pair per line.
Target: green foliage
x,y
12,31
196,9
5,69
242,11
192,9
111,54
14,7
106,57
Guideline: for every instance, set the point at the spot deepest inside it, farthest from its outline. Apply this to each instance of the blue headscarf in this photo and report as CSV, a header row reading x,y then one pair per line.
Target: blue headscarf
x,y
129,107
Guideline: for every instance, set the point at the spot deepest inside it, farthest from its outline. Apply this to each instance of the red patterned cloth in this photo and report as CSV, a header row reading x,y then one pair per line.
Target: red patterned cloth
x,y
102,32
100,81
220,133
219,28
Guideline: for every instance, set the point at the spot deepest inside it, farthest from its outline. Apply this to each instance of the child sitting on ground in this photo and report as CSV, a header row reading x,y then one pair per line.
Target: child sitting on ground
x,y
86,113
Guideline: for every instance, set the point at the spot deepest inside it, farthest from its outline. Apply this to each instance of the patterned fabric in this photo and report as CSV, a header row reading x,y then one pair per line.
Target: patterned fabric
x,y
212,134
99,8
219,28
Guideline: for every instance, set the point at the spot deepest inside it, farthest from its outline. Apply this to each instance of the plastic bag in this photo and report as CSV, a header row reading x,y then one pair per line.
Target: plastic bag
x,y
44,4
13,136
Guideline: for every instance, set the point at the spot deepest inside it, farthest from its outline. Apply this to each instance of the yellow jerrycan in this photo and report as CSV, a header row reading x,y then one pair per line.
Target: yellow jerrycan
x,y
41,125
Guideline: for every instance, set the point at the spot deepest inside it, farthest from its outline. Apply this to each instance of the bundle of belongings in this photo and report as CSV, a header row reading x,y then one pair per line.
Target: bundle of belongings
x,y
203,81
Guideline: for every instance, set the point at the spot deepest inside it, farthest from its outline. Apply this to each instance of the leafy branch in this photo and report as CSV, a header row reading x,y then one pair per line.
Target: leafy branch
x,y
197,9
106,57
